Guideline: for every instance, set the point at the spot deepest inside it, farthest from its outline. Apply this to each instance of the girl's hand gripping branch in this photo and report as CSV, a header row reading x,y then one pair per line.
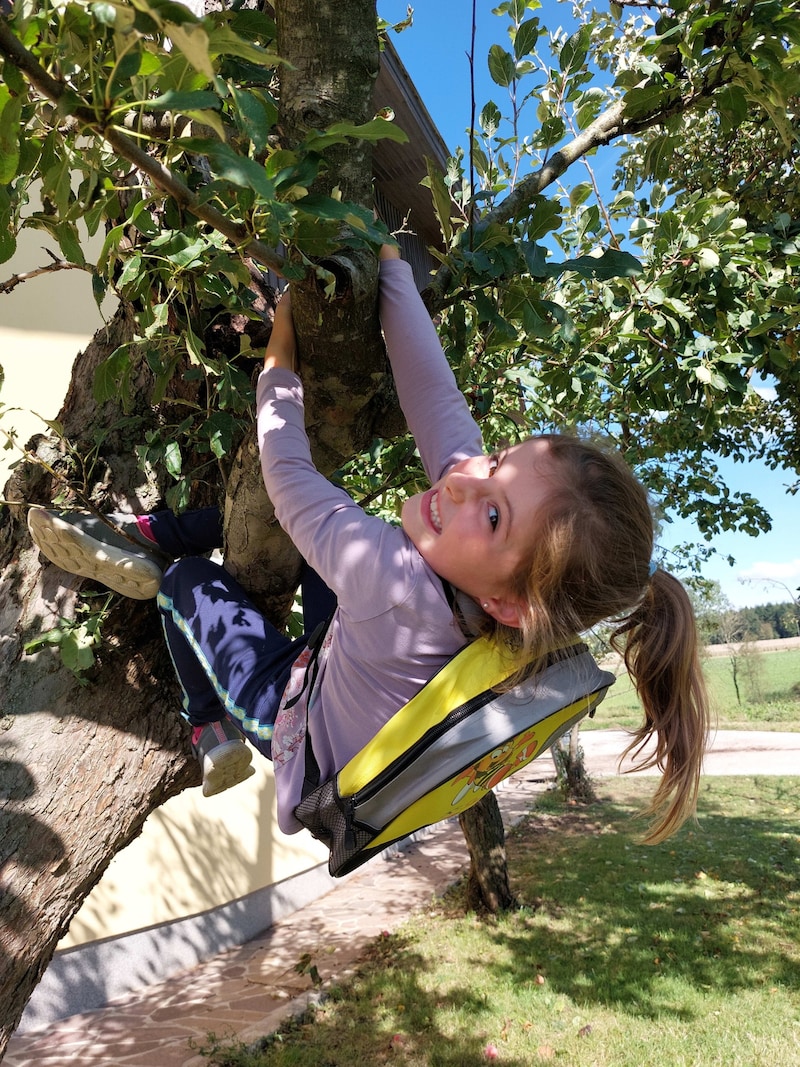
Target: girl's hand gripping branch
x,y
282,346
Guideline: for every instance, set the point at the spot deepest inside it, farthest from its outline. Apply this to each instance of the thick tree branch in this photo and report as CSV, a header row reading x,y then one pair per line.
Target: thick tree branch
x,y
161,176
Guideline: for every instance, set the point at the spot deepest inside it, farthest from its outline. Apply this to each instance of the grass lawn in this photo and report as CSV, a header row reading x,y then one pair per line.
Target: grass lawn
x,y
685,954
769,685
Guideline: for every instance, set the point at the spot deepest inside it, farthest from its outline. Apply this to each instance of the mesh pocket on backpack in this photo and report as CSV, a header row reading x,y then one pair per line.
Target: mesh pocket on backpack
x,y
322,814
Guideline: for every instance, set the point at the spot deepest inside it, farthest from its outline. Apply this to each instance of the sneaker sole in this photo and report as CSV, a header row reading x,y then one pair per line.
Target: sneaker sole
x,y
132,576
225,766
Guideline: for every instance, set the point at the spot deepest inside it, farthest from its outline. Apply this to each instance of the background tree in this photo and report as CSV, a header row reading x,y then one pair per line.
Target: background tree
x,y
168,133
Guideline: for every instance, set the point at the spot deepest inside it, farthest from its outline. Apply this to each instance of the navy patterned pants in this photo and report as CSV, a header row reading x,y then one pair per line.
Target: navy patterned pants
x,y
229,659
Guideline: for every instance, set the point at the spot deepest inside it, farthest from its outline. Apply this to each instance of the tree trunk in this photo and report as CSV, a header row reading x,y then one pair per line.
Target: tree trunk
x,y
571,773
488,887
82,766
332,57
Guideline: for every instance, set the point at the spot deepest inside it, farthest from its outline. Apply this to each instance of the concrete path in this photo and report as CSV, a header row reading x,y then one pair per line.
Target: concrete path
x,y
247,992
730,752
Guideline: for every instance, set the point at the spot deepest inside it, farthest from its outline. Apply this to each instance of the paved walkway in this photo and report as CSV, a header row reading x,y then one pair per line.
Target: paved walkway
x,y
249,991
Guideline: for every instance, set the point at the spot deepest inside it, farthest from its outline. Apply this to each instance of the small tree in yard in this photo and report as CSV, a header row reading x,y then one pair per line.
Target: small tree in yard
x,y
733,633
206,149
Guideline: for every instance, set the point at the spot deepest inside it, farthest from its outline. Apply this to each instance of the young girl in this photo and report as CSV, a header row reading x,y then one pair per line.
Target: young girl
x,y
532,544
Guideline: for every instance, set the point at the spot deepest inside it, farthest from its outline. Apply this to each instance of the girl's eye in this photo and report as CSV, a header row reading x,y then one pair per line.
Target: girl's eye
x,y
494,462
494,516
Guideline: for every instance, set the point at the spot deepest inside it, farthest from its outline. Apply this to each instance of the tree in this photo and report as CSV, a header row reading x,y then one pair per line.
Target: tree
x,y
167,131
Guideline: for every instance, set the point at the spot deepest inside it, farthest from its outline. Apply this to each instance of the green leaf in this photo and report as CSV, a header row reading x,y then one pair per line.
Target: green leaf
x,y
67,235
223,41
173,100
526,37
490,118
172,459
641,101
231,167
707,258
374,130
8,244
112,375
192,40
248,23
442,204
535,259
669,227
76,650
130,272
8,240
502,68
256,115
613,263
546,216
573,54
551,132
588,109
10,119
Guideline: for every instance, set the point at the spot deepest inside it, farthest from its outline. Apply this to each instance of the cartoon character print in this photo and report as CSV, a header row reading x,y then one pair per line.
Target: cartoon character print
x,y
496,765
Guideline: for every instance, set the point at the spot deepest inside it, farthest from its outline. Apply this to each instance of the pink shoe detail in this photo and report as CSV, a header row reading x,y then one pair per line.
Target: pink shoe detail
x,y
143,524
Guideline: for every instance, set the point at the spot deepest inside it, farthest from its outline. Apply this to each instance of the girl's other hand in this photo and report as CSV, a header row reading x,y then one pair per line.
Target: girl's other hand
x,y
389,252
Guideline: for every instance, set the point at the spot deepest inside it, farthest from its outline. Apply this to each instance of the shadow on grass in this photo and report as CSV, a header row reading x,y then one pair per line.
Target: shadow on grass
x,y
627,926
646,932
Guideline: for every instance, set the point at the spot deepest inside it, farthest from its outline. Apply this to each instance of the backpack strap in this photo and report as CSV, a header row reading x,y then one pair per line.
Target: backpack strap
x,y
465,611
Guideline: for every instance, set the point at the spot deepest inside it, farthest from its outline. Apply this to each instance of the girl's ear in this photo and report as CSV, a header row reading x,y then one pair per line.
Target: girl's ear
x,y
505,610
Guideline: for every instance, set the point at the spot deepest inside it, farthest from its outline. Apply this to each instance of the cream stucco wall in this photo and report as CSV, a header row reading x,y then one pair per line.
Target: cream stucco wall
x,y
195,853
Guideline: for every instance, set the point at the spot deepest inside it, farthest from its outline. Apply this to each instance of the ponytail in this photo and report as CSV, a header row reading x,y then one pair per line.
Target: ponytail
x,y
660,650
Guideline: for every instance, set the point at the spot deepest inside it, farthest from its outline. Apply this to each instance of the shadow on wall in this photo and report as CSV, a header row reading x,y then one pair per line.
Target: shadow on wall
x,y
211,857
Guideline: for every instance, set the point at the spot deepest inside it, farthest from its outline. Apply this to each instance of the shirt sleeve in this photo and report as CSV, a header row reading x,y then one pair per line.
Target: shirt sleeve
x,y
434,407
368,564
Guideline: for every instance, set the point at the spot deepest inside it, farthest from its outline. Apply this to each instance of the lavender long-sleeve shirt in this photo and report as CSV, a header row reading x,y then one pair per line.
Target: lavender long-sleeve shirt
x,y
393,628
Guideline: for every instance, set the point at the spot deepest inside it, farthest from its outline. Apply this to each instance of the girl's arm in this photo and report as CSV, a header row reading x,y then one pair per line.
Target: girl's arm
x,y
282,345
435,409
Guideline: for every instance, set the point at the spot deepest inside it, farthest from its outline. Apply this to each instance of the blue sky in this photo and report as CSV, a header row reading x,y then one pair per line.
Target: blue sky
x,y
434,51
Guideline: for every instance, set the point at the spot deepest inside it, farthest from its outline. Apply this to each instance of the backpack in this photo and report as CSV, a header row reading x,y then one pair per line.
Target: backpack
x,y
446,748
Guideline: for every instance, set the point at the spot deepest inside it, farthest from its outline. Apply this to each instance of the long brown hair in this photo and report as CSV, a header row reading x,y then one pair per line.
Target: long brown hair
x,y
590,562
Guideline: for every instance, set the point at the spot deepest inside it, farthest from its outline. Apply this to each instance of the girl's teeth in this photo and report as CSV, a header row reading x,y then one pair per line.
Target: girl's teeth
x,y
437,522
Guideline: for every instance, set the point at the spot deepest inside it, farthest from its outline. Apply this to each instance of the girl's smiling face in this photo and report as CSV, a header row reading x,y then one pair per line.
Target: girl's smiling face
x,y
476,525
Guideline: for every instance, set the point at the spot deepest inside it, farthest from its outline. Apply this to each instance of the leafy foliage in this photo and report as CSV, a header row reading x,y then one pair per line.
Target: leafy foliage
x,y
199,95
673,353
660,314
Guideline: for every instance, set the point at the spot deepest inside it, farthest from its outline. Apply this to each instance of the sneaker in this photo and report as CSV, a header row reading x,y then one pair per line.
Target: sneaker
x,y
224,756
80,543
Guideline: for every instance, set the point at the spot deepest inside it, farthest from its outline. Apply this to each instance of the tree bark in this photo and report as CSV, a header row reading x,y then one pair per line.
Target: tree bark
x,y
571,768
488,888
81,766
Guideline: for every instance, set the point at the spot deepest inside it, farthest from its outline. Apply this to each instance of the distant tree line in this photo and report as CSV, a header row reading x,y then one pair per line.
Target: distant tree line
x,y
764,622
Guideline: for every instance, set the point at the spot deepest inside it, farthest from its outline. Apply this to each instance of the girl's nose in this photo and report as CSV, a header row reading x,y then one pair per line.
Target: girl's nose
x,y
461,486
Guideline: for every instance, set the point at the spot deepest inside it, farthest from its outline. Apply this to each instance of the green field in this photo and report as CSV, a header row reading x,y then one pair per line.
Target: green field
x,y
769,694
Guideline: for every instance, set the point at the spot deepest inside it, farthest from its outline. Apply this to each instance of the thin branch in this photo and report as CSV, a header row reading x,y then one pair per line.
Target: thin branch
x,y
11,283
472,134
160,176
